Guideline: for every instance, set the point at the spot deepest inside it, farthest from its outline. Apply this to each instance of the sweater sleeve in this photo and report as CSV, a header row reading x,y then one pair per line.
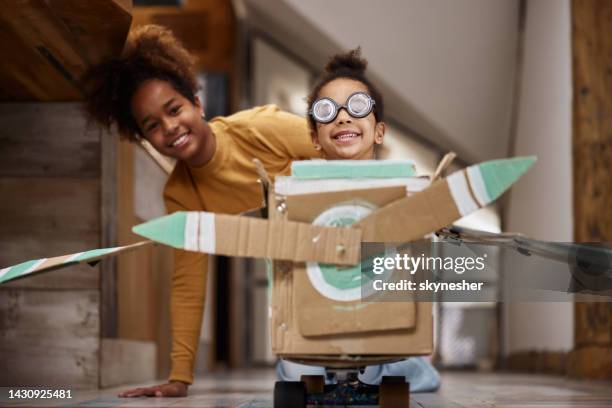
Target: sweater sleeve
x,y
187,297
283,133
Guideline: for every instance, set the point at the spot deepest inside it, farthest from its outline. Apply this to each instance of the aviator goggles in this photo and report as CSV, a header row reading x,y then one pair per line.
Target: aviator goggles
x,y
358,105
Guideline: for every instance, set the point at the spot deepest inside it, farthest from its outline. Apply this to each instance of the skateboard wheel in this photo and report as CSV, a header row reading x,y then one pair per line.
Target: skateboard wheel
x,y
393,379
394,392
289,394
315,384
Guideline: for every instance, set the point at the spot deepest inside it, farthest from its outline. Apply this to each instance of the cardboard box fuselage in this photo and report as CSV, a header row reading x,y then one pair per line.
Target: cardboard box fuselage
x,y
308,327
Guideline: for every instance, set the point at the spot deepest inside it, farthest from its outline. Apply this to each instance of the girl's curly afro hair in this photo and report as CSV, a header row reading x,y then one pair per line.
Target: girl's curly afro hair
x,y
349,65
151,52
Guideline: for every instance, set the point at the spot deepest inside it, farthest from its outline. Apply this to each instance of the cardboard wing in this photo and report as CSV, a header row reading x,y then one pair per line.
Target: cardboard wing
x,y
235,235
444,202
29,268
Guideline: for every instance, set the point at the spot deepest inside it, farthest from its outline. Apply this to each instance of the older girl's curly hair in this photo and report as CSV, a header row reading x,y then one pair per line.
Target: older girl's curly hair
x,y
349,65
151,52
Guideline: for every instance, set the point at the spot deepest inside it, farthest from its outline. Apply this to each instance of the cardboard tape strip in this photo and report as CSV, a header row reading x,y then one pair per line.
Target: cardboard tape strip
x,y
458,186
478,185
207,242
192,231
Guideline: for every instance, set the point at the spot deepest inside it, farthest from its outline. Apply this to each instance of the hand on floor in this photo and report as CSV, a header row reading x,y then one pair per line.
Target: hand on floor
x,y
171,389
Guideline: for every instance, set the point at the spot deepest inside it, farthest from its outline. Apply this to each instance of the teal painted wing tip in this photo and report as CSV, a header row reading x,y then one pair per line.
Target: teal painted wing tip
x,y
168,230
500,175
16,271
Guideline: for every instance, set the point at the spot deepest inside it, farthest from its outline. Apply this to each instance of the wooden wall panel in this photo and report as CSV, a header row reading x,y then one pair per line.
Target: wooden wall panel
x,y
136,303
49,180
108,233
51,200
143,277
51,43
47,140
97,29
126,362
56,192
592,163
39,204
49,338
28,75
43,218
163,264
134,290
592,121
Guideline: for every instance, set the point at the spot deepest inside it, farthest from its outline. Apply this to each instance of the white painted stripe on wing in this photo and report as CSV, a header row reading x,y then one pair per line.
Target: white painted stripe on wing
x,y
478,186
73,257
4,271
457,183
36,265
207,232
192,224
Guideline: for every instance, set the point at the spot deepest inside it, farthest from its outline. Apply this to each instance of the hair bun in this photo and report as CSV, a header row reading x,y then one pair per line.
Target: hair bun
x,y
350,61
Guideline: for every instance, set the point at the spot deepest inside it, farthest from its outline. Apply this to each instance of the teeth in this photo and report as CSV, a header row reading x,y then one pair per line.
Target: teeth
x,y
346,136
179,140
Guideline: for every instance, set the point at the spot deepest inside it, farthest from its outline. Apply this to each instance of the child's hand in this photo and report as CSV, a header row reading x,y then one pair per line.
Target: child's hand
x,y
171,389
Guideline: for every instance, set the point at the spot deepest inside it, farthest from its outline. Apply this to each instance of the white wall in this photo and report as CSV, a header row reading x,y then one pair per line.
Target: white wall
x,y
541,204
453,61
278,80
446,67
401,145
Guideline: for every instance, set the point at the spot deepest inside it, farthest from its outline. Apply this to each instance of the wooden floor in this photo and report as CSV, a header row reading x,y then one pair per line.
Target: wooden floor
x,y
253,388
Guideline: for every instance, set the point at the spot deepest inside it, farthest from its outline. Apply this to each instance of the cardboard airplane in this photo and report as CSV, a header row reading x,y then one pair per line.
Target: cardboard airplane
x,y
406,219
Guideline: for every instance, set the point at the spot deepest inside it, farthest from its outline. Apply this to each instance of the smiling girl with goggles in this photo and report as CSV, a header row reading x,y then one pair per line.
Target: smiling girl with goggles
x,y
358,105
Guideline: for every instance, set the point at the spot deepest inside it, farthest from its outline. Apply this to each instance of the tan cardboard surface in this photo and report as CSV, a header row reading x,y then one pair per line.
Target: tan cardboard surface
x,y
344,361
288,341
295,311
254,237
412,217
342,317
306,207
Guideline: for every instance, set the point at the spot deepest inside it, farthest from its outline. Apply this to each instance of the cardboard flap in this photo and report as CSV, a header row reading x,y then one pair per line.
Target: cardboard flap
x,y
332,292
321,316
413,217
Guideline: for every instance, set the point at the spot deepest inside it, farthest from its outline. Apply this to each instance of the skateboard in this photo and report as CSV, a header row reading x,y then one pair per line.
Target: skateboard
x,y
346,391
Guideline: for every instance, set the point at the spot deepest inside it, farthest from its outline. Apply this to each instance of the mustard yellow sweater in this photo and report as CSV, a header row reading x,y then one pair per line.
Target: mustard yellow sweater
x,y
227,184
